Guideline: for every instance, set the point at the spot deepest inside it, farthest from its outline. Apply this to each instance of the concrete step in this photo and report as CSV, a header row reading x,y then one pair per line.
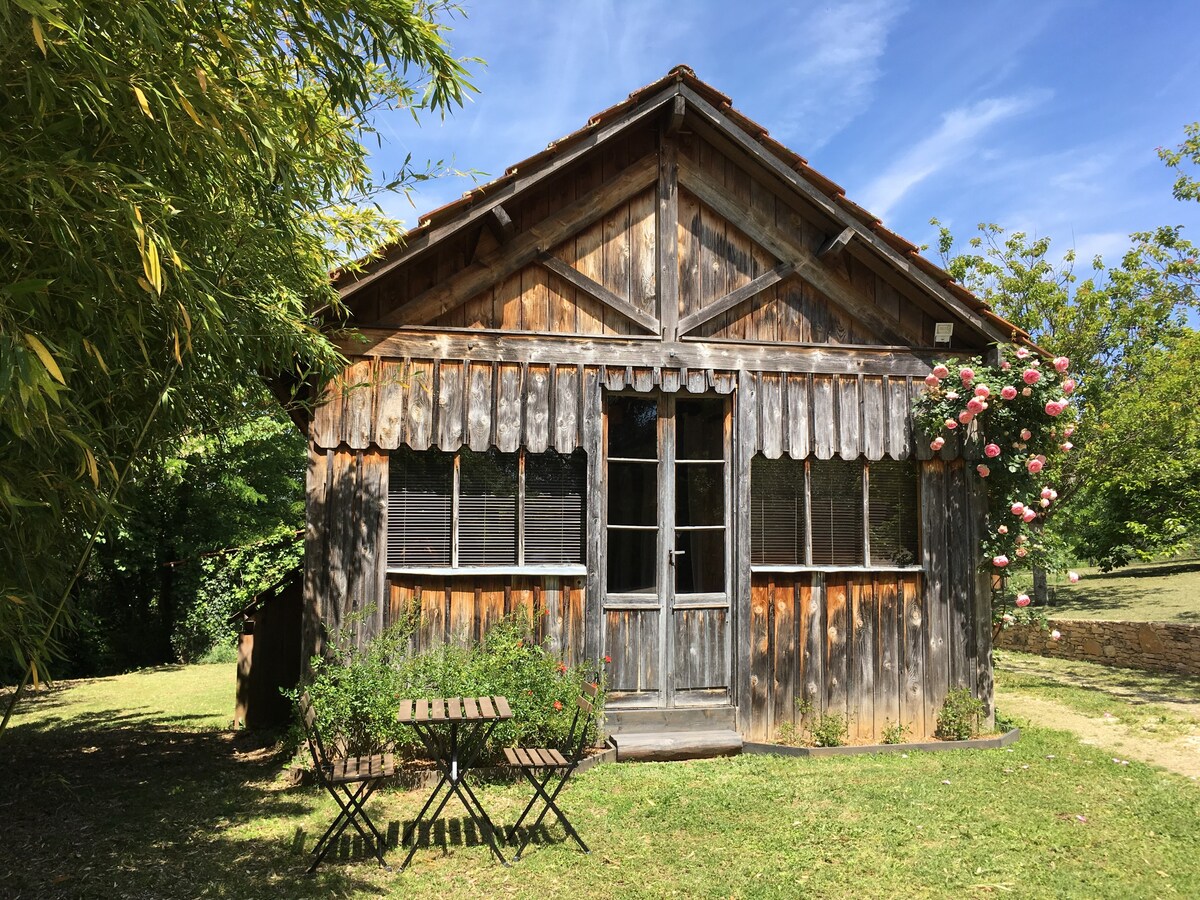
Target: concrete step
x,y
668,745
693,718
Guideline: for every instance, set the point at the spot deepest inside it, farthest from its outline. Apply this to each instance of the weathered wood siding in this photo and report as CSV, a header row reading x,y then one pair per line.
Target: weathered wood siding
x,y
878,648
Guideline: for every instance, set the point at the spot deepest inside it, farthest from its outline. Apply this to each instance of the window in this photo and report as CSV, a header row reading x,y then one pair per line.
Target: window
x,y
812,512
485,509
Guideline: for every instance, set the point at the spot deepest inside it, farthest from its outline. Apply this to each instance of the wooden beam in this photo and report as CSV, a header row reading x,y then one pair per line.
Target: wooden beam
x,y
675,118
667,236
431,236
748,145
523,249
500,224
733,298
625,350
836,244
755,225
598,291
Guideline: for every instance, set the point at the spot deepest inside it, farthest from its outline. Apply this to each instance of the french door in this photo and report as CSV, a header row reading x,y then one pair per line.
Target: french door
x,y
667,578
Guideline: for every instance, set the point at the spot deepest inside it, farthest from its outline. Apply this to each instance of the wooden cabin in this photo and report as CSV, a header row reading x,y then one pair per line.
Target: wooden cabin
x,y
653,387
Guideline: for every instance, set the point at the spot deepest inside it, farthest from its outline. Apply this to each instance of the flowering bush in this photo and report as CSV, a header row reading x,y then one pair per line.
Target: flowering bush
x,y
1021,414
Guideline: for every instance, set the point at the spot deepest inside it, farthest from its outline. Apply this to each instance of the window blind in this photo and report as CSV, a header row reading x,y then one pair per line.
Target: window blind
x,y
420,487
777,516
554,508
837,512
892,495
487,509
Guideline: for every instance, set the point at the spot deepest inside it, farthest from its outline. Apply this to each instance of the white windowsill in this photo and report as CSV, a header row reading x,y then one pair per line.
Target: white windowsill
x,y
489,570
769,568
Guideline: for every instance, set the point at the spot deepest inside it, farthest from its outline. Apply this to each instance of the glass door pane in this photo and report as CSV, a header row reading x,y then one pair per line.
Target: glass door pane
x,y
701,490
633,513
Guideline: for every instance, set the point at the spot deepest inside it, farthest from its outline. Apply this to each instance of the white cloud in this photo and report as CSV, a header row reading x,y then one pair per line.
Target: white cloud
x,y
836,52
955,139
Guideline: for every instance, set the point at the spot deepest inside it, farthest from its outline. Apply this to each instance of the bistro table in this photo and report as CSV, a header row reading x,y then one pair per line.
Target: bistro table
x,y
454,731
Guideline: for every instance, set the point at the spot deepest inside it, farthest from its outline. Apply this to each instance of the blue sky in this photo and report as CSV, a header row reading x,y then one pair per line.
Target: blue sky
x,y
1039,116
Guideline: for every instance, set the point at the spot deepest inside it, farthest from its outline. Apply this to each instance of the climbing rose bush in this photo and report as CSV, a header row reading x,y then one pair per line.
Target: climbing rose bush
x,y
1017,416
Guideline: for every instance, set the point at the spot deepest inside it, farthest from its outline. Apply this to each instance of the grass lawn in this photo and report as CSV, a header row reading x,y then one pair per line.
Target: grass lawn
x,y
1158,592
128,788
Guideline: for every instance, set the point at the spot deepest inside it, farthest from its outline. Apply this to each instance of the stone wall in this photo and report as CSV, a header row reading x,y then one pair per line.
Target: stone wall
x,y
1158,646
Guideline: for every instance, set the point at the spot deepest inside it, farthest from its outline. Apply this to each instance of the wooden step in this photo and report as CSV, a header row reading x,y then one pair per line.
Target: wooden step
x,y
668,745
695,718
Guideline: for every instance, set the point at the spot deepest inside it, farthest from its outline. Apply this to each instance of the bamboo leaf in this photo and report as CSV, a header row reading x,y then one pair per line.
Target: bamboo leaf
x,y
13,598
47,359
93,469
38,37
142,101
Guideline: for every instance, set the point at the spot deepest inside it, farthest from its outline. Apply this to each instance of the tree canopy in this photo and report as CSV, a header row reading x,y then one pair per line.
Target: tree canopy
x,y
176,183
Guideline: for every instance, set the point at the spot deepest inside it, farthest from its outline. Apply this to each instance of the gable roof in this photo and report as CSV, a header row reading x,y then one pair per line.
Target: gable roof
x,y
684,92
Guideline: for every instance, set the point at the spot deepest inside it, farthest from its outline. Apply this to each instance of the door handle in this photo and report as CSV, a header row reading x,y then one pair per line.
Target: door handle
x,y
675,553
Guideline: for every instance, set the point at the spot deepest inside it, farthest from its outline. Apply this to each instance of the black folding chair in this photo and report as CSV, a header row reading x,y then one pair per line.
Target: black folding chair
x,y
549,763
350,780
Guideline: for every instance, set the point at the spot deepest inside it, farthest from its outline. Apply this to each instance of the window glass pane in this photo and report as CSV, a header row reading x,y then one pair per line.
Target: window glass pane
x,y
837,512
633,427
632,493
700,494
700,429
892,495
777,518
700,568
419,505
631,561
487,508
554,508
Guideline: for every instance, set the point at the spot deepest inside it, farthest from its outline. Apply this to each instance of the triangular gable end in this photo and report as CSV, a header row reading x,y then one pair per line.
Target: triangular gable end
x,y
669,195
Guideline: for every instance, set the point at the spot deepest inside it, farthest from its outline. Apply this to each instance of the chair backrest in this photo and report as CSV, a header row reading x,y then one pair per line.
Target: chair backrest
x,y
585,712
308,718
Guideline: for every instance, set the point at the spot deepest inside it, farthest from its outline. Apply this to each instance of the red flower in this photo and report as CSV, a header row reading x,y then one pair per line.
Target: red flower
x,y
530,693
608,659
558,704
562,667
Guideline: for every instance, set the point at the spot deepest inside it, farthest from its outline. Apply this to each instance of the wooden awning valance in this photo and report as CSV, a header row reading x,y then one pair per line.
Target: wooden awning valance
x,y
448,404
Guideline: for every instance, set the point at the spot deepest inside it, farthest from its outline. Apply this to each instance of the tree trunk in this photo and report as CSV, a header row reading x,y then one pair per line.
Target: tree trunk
x,y
1040,592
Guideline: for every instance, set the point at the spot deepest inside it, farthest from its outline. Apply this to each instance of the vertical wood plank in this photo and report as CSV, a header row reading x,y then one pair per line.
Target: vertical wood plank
x,y
593,446
450,406
784,664
887,668
824,420
864,615
537,408
982,600
508,408
912,644
960,580
326,429
566,408
849,414
837,645
389,410
744,403
372,554
668,241
770,408
418,418
760,673
316,534
937,613
798,415
814,627
643,244
480,402
900,437
874,437
358,413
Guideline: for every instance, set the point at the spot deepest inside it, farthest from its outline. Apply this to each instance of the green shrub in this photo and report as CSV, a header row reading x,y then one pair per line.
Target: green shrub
x,y
1004,723
356,693
829,730
896,734
958,719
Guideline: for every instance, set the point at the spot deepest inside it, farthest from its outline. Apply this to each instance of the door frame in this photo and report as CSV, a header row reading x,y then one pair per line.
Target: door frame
x,y
665,600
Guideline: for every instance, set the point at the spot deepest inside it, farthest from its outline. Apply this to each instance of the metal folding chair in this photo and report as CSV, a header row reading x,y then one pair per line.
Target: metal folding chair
x,y
548,764
350,780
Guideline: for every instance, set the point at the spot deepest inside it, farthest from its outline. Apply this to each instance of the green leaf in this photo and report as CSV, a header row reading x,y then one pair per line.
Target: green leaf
x,y
45,356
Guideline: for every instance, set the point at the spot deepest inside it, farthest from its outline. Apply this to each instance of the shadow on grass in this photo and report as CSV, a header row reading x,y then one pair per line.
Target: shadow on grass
x,y
1136,687
110,805
1155,571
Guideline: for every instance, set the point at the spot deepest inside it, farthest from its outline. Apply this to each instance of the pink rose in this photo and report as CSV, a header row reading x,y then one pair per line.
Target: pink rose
x,y
1055,408
966,374
1003,529
1053,494
1008,392
931,380
937,443
1066,447
951,424
1073,577
982,390
1006,365
1061,363
1022,352
1000,561
1041,457
951,395
1068,431
1022,552
1031,376
983,470
1034,466
1047,494
1055,635
1068,386
940,371
1044,502
1022,600
991,451
1026,392
966,417
1029,515
975,405
1026,434
1018,508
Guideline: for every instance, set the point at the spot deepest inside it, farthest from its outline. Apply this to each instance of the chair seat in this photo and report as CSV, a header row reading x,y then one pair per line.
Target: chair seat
x,y
535,758
348,769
